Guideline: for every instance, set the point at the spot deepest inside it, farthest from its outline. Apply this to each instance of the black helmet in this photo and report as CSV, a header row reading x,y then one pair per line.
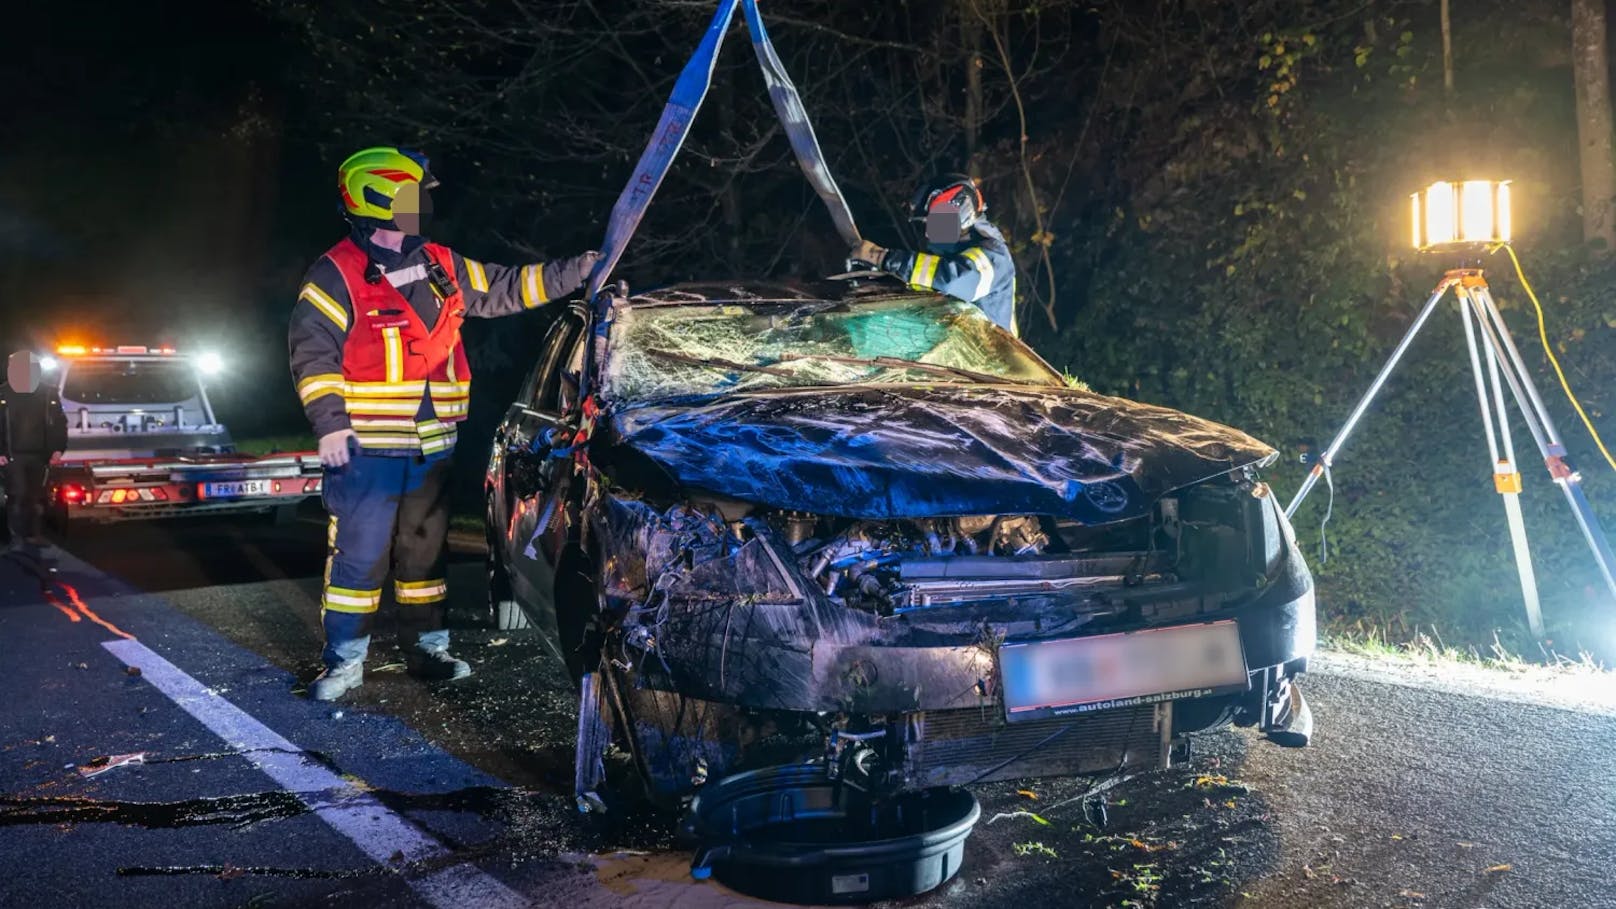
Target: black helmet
x,y
949,205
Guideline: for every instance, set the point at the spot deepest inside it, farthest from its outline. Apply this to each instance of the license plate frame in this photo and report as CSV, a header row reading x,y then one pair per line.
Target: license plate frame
x,y
233,489
1071,676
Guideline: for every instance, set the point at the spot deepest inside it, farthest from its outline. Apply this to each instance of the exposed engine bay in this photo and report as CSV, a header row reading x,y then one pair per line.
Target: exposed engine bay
x,y
750,634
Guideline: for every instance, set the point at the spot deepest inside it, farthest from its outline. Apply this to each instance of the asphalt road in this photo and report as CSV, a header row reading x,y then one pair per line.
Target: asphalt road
x,y
1418,791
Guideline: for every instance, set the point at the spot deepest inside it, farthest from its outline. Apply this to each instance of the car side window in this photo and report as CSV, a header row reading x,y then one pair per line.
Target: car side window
x,y
528,396
547,394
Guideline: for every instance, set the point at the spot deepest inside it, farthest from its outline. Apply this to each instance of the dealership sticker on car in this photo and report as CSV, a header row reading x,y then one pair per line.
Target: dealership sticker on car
x,y
1042,679
235,489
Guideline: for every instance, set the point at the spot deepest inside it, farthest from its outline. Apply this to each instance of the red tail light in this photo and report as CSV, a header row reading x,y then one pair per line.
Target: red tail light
x,y
73,494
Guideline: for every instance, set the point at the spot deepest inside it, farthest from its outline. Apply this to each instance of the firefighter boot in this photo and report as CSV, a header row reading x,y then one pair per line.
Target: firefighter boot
x,y
436,665
334,683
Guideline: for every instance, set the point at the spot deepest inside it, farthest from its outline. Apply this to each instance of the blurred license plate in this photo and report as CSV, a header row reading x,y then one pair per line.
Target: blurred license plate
x,y
1079,675
234,489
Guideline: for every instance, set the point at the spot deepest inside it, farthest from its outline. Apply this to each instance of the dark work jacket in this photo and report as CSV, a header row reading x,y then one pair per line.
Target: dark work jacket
x,y
33,423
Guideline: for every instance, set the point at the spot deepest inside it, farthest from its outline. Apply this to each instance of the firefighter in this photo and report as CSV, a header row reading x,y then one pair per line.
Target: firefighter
x,y
966,256
378,362
35,437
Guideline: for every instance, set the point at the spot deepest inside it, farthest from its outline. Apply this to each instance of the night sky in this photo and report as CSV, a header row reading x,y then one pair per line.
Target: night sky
x,y
154,183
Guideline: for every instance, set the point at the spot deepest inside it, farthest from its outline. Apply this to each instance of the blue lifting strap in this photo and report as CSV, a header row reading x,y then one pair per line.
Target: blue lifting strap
x,y
794,118
669,136
688,93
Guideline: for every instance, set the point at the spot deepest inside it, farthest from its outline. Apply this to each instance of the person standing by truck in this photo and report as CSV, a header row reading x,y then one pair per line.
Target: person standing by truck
x,y
35,435
379,365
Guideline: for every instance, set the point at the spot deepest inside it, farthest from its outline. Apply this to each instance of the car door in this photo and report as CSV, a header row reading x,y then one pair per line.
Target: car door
x,y
534,476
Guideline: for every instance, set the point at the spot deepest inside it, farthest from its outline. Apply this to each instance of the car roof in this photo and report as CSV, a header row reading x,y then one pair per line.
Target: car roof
x,y
752,292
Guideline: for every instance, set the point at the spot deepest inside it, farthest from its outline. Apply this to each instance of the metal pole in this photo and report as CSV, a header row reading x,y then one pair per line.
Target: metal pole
x,y
1328,457
1506,476
1543,432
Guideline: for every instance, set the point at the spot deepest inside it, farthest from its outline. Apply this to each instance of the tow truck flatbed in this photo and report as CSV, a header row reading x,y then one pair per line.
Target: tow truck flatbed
x,y
127,489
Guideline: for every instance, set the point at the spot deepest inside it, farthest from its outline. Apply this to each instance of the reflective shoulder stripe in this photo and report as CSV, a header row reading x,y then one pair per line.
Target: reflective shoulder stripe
x,y
984,271
924,271
533,286
322,301
318,386
475,272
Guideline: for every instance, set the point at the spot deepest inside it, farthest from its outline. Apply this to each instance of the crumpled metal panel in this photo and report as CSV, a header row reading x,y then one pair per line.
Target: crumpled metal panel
x,y
926,451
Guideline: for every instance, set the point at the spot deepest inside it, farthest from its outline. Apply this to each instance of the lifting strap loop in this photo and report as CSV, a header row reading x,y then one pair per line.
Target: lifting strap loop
x,y
669,136
688,93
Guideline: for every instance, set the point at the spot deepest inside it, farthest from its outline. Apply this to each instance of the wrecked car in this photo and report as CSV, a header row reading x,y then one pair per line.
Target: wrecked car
x,y
859,523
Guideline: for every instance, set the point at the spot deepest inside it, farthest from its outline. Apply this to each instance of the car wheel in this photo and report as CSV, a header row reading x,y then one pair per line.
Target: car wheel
x,y
504,613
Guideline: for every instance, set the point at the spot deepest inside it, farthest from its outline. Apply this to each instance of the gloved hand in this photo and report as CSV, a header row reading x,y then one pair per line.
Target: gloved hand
x,y
867,253
334,450
572,273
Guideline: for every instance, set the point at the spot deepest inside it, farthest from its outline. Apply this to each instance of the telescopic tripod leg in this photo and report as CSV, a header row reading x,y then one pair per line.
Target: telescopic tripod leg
x,y
1543,431
1328,457
1501,448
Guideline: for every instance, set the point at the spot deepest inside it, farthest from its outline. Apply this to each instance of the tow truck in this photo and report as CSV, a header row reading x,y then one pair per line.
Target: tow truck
x,y
143,443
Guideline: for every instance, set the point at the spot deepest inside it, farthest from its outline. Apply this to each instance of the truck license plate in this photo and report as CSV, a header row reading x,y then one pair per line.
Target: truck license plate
x,y
235,489
1044,679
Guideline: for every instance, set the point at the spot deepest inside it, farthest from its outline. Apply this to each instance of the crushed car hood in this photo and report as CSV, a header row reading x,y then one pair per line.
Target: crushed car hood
x,y
881,452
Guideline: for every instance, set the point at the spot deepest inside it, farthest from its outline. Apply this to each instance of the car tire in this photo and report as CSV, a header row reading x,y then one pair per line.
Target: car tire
x,y
504,612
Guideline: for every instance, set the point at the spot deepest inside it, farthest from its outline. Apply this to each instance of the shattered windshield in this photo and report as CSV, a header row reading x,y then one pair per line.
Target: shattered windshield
x,y
675,351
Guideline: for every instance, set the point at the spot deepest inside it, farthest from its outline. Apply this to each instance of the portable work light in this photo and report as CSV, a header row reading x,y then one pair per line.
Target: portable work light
x,y
1472,213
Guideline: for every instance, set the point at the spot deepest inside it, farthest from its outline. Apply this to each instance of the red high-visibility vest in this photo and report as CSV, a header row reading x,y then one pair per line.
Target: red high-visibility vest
x,y
391,360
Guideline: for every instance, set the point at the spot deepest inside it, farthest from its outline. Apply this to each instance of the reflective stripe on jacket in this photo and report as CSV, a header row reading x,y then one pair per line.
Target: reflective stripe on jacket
x,y
980,272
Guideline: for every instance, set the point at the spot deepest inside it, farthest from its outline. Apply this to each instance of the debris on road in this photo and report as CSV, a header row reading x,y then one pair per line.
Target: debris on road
x,y
1499,869
101,765
1008,815
1033,848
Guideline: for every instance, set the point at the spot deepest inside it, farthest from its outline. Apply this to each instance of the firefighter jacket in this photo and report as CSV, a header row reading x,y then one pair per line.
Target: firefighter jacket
x,y
978,271
375,341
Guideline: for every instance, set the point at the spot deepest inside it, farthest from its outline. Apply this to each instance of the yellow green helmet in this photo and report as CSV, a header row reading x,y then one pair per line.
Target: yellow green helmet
x,y
371,178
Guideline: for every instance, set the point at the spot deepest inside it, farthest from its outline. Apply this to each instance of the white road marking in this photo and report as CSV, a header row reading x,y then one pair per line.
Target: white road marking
x,y
377,831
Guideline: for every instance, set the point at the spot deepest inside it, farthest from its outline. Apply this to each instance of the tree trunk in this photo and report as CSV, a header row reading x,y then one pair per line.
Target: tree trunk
x,y
971,26
1591,72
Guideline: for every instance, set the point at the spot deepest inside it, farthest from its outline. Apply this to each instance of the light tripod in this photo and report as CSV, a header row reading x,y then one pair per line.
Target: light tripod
x,y
1496,362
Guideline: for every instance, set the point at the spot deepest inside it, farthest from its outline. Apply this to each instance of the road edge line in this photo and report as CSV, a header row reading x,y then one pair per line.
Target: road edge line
x,y
376,830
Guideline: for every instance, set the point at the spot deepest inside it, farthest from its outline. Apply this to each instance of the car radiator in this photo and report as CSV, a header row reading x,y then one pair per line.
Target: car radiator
x,y
956,747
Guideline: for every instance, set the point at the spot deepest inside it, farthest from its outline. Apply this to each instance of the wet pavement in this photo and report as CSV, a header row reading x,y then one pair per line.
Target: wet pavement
x,y
156,748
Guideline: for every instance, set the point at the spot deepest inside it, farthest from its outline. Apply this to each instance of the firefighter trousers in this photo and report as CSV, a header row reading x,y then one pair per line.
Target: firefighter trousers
x,y
386,511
